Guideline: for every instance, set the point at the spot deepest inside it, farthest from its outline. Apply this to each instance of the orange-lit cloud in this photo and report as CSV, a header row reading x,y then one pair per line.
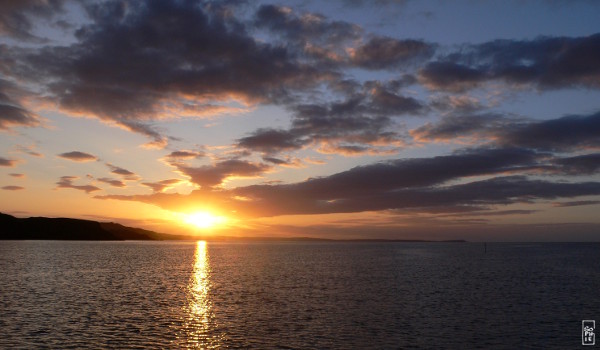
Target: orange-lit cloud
x,y
77,156
67,182
7,162
13,188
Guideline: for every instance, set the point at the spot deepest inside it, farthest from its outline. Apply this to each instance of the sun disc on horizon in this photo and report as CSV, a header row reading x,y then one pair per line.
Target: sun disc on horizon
x,y
204,220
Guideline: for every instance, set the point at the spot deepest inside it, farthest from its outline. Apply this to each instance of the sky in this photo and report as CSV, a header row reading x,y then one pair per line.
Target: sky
x,y
476,120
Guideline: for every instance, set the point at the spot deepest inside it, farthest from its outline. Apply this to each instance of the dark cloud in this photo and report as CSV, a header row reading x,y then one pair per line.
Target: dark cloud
x,y
545,62
301,198
16,116
273,140
271,200
561,134
163,185
361,3
450,76
13,188
157,59
574,203
360,124
17,175
8,162
494,212
389,53
112,182
406,173
274,160
287,162
11,112
330,42
456,104
586,164
307,28
77,156
462,126
67,182
16,17
568,133
208,176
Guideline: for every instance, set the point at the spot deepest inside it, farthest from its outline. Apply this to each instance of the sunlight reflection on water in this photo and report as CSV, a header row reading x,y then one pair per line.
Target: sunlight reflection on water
x,y
200,322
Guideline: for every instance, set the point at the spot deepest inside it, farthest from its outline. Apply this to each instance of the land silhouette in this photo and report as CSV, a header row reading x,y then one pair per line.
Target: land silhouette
x,y
43,228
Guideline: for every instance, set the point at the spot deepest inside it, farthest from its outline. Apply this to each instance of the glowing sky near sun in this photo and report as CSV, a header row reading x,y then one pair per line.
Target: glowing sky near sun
x,y
344,119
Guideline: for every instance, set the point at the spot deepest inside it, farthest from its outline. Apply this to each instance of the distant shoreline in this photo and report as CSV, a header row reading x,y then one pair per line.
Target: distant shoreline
x,y
66,229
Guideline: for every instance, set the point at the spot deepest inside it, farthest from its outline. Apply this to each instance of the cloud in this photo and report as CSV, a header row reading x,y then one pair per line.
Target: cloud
x,y
8,162
568,133
457,103
574,203
276,200
586,164
13,188
30,150
16,17
184,155
16,116
308,28
67,182
163,185
77,156
407,173
561,134
388,53
17,175
545,62
272,140
126,174
153,60
208,176
359,124
302,198
288,162
159,141
463,127
450,76
11,112
403,183
112,182
442,184
330,43
360,3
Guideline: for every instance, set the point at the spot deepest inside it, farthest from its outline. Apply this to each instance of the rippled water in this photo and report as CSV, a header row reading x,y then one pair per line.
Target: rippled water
x,y
296,295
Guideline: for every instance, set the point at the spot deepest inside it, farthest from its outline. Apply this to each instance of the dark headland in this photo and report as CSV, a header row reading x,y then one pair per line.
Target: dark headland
x,y
42,228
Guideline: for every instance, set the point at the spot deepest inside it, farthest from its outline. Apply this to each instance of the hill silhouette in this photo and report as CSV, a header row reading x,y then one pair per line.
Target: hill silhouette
x,y
42,228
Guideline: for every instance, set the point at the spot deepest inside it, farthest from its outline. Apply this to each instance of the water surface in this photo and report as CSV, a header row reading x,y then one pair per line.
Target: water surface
x,y
296,295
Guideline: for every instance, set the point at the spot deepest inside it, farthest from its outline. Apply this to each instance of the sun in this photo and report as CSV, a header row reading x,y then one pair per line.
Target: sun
x,y
204,220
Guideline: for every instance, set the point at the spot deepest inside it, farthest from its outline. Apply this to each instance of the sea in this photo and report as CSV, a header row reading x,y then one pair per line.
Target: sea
x,y
296,295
